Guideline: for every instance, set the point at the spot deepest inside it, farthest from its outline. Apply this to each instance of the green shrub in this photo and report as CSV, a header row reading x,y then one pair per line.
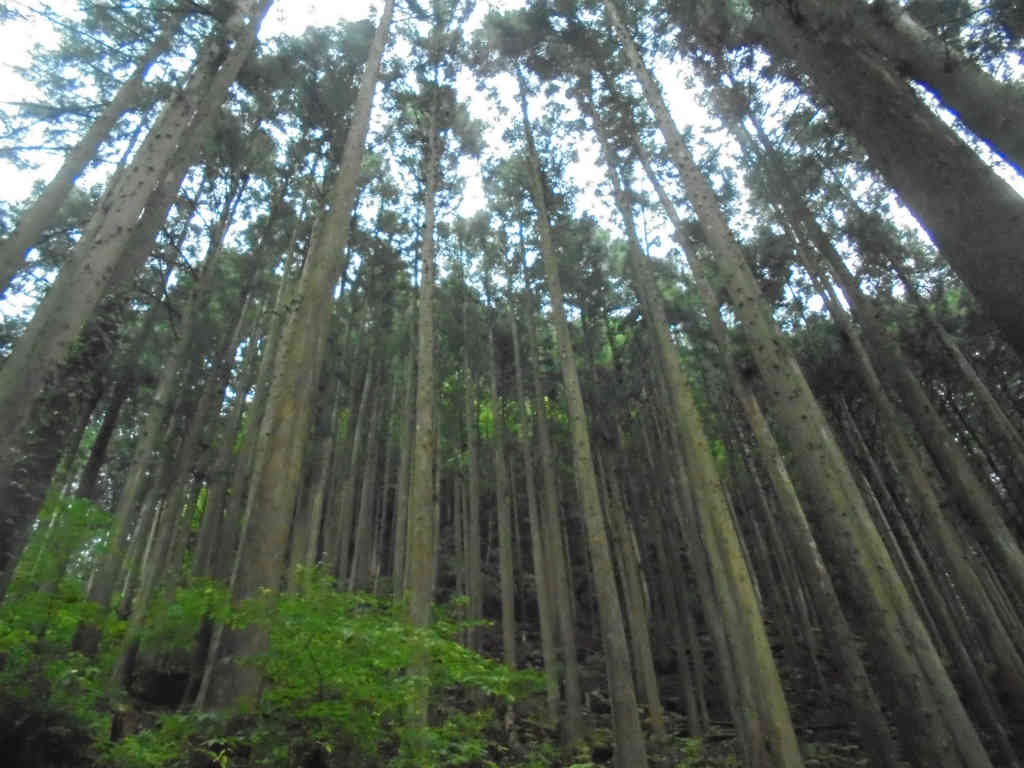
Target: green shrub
x,y
337,674
337,685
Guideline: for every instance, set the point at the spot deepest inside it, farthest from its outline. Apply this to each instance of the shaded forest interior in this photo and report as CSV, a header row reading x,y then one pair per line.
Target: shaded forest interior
x,y
713,459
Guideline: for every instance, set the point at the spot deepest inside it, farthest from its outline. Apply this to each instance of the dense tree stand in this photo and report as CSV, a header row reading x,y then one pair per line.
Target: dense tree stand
x,y
600,383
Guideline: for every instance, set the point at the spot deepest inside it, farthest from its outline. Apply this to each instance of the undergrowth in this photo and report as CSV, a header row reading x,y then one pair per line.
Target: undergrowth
x,y
337,687
338,679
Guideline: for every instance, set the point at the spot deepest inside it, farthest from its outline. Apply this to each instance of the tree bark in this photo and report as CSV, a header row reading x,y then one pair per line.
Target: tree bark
x,y
148,446
975,218
405,424
32,223
630,749
542,564
100,259
420,566
572,724
284,427
933,717
993,110
769,733
505,549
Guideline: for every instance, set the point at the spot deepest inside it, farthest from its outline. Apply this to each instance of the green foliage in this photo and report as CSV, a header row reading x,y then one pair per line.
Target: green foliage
x,y
694,753
52,700
337,685
337,675
176,615
338,681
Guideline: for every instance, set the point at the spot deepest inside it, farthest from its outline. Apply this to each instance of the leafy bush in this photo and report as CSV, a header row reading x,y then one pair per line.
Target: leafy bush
x,y
53,702
340,674
337,690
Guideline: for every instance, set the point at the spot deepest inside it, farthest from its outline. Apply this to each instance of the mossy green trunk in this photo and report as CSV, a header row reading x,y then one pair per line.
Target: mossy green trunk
x,y
630,749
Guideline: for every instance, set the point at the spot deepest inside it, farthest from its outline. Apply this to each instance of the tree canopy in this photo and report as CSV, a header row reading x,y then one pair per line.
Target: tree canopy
x,y
545,384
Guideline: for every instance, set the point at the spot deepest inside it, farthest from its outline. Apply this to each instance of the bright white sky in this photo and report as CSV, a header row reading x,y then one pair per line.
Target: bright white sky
x,y
291,17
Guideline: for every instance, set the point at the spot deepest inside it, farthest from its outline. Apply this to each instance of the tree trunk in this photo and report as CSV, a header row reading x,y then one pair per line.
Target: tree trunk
x,y
362,550
32,223
25,480
505,548
932,716
284,427
88,483
572,725
975,218
541,560
769,730
623,547
405,424
420,566
148,445
630,749
210,528
100,259
993,110
339,550
1007,438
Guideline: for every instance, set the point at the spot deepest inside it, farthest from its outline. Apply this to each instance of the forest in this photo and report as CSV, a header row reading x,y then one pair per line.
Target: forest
x,y
556,383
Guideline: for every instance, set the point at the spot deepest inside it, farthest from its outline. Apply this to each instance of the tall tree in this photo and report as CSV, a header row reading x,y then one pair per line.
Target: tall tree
x,y
281,436
977,231
438,117
630,748
38,215
833,490
107,252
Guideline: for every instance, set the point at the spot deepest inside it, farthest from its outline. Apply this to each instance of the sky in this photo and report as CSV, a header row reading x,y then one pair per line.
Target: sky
x,y
17,39
292,17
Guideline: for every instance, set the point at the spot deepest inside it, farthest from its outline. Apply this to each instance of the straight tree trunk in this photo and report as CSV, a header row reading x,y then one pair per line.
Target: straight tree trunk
x,y
306,539
993,110
422,546
975,218
386,497
25,480
210,528
504,512
471,424
572,727
340,549
694,726
405,424
541,559
32,223
630,749
16,521
633,593
1007,438
738,694
932,520
101,259
769,733
362,551
284,426
148,445
975,495
945,628
932,717
88,483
